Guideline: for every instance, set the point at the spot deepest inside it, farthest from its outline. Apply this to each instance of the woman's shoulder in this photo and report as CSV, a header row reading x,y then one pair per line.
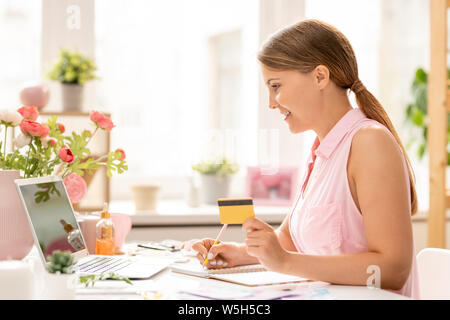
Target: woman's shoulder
x,y
375,147
374,133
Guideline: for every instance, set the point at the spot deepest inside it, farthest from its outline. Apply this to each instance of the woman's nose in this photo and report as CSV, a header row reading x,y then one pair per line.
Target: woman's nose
x,y
273,106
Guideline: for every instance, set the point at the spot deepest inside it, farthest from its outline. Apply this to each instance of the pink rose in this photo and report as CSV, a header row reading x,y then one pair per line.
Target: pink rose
x,y
29,112
61,127
48,142
76,187
34,129
101,120
122,157
88,133
66,154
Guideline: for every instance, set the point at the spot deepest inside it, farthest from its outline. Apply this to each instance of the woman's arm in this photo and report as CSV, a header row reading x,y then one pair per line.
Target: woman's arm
x,y
382,194
284,235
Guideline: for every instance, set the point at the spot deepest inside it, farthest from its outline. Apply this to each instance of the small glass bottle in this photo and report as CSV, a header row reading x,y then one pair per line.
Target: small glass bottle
x,y
105,238
73,235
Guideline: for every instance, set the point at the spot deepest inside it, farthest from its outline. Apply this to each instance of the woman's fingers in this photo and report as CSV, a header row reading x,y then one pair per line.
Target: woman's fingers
x,y
253,224
202,247
217,249
217,263
215,258
255,238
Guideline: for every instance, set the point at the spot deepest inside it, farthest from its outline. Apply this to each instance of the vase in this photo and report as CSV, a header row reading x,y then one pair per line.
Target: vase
x,y
145,197
35,94
193,196
60,286
214,187
72,97
16,239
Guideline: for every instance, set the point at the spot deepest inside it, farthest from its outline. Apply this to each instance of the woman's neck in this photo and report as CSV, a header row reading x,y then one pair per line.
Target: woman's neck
x,y
335,105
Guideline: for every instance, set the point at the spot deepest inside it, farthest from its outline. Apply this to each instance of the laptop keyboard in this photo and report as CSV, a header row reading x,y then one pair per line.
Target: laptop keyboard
x,y
103,264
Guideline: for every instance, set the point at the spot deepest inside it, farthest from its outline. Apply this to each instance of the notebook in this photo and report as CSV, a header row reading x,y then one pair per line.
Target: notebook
x,y
250,275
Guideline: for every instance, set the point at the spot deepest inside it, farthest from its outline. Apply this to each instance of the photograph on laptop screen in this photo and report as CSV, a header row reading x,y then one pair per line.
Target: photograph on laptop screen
x,y
52,217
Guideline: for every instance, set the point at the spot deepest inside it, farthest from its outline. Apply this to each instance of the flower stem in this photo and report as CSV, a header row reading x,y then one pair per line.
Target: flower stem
x,y
90,138
26,164
65,173
4,143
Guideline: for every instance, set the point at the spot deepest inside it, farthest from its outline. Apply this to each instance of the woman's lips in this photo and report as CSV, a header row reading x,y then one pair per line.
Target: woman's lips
x,y
286,114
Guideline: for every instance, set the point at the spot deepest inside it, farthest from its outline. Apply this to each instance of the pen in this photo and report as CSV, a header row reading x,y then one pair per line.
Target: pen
x,y
215,242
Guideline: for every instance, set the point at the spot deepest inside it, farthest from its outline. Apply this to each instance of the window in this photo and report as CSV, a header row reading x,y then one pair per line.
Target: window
x,y
20,43
173,78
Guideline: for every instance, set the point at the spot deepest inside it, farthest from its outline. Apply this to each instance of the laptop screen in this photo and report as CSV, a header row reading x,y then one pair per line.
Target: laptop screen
x,y
52,217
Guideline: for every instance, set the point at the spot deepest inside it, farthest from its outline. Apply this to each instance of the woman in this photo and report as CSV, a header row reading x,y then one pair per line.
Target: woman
x,y
353,212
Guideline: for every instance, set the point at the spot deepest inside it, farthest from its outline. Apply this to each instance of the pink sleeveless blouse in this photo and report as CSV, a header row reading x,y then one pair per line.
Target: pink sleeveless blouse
x,y
326,221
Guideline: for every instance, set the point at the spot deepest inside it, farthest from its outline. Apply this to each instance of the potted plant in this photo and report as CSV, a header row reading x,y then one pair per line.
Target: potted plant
x,y
215,178
72,70
42,149
416,115
61,279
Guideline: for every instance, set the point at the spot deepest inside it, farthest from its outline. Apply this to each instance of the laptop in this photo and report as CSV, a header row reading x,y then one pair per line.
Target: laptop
x,y
55,227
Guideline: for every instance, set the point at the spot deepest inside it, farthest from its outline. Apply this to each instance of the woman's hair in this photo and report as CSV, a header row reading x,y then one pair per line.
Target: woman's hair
x,y
309,43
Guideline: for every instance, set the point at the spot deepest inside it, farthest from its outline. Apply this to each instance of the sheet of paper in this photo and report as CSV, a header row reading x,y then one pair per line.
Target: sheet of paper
x,y
192,268
258,278
215,293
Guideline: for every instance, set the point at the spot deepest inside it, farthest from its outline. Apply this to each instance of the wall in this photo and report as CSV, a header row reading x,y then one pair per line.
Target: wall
x,y
68,24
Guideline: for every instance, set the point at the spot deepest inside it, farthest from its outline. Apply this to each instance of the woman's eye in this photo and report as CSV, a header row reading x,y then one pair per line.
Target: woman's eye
x,y
275,87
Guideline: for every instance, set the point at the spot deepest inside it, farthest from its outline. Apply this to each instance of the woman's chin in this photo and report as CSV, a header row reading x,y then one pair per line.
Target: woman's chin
x,y
296,129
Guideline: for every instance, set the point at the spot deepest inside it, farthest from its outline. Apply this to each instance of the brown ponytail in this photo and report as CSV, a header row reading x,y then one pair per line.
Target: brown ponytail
x,y
309,43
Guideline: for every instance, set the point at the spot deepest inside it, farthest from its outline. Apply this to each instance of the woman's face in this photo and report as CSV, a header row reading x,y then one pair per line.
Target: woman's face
x,y
295,94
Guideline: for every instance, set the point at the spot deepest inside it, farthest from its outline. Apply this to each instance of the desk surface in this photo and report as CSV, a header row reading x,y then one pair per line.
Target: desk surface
x,y
167,284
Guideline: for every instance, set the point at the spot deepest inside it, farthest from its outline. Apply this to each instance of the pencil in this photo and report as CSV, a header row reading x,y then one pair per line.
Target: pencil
x,y
215,242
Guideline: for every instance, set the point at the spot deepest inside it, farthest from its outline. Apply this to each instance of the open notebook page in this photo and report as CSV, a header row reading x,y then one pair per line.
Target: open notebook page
x,y
251,275
258,278
196,269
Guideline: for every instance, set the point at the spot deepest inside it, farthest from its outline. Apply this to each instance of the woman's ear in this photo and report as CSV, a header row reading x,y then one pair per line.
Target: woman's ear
x,y
321,76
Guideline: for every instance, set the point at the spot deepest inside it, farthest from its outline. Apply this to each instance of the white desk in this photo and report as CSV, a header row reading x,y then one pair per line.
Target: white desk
x,y
168,283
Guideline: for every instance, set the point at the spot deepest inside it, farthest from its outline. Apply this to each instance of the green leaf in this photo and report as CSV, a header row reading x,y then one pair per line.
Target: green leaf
x,y
220,166
73,67
416,113
421,76
90,280
417,117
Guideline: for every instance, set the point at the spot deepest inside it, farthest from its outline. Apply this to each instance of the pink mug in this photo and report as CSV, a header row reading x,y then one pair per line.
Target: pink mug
x,y
122,226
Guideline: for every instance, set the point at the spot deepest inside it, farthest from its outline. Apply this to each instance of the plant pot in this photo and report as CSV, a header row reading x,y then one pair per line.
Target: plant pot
x,y
60,286
214,187
16,239
72,97
145,197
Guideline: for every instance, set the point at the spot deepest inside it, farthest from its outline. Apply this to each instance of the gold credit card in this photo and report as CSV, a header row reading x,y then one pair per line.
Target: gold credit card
x,y
235,211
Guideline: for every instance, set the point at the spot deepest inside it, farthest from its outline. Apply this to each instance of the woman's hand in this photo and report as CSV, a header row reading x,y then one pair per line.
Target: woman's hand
x,y
221,255
262,243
